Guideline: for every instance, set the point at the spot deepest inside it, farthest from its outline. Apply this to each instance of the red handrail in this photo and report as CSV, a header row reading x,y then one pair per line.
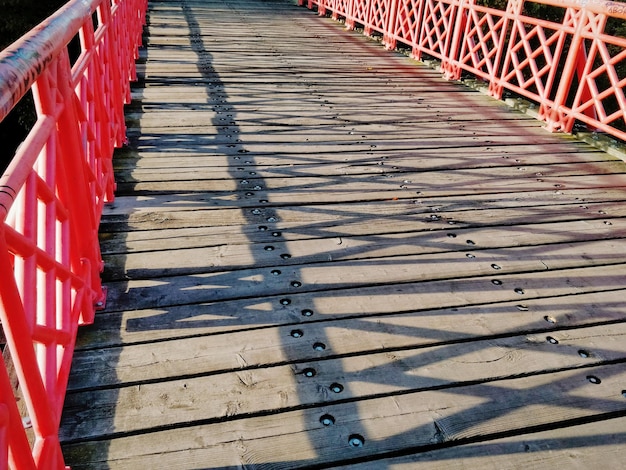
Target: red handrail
x,y
51,199
572,70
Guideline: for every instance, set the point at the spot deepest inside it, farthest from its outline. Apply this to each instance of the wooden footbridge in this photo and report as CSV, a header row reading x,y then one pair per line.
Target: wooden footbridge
x,y
323,254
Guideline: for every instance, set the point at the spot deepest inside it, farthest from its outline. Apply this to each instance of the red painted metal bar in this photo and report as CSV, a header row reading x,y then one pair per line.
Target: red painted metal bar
x,y
51,200
572,70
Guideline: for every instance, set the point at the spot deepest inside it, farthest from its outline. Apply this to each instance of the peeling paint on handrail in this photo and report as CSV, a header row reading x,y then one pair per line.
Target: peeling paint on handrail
x,y
24,60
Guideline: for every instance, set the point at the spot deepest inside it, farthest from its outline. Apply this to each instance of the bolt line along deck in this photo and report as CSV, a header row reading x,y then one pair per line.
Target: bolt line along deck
x,y
322,254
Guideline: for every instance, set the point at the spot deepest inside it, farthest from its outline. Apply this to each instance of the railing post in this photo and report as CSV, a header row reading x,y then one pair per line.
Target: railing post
x,y
576,65
416,51
389,40
450,60
508,35
553,116
581,72
350,12
367,8
73,166
321,7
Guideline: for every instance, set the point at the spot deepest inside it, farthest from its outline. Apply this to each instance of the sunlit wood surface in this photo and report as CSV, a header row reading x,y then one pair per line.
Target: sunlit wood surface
x,y
322,254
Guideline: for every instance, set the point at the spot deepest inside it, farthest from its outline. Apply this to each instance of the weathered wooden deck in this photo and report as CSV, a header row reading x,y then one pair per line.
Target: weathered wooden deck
x,y
322,254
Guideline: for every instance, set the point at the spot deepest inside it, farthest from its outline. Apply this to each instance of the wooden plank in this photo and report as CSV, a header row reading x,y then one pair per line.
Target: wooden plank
x,y
394,163
362,170
173,316
179,138
580,446
413,421
351,200
322,264
244,99
269,389
423,216
193,119
353,237
255,348
430,240
437,186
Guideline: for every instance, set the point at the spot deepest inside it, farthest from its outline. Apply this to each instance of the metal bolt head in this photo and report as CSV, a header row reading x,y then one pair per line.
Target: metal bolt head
x,y
356,440
327,420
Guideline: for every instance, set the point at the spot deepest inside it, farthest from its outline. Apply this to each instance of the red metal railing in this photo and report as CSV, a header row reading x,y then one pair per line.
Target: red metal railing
x,y
51,200
573,70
